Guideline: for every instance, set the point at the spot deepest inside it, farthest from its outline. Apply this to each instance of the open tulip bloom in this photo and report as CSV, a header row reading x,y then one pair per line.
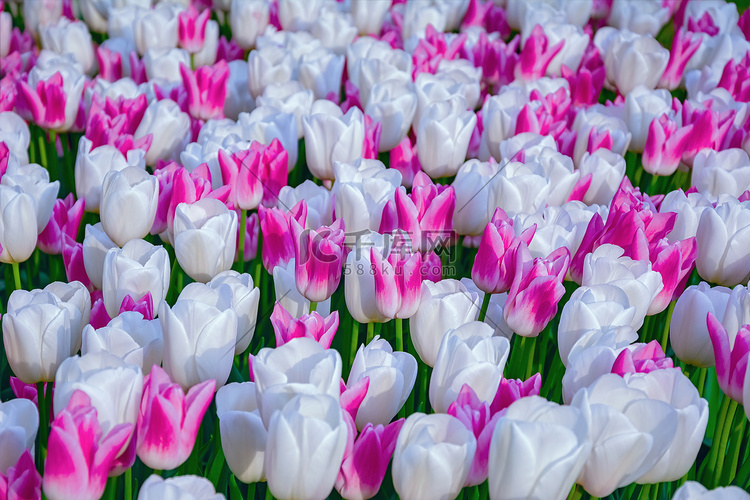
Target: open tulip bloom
x,y
418,249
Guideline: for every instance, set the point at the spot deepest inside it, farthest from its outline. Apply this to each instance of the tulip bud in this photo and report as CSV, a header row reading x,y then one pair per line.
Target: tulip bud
x,y
693,490
169,127
248,20
128,206
332,136
19,422
18,225
285,286
70,37
721,258
443,136
318,255
429,443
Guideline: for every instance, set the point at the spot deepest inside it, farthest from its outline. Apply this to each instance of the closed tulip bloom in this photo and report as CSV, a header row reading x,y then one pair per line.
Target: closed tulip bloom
x,y
278,242
96,244
318,258
80,454
130,337
191,29
313,326
37,335
248,20
495,264
673,387
629,433
22,481
693,490
66,220
205,236
393,103
520,468
70,37
665,145
169,419
632,59
199,342
53,94
359,281
721,258
469,355
285,287
725,172
301,366
320,71
19,422
136,269
269,65
398,282
245,297
443,135
364,466
243,435
241,172
475,205
169,127
642,107
157,28
18,225
128,206
731,357
75,298
188,486
33,179
443,306
391,379
332,136
433,457
93,164
607,170
306,443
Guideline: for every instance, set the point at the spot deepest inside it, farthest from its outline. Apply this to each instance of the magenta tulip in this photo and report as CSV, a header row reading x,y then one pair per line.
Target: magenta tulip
x,y
398,282
21,481
318,256
278,242
312,325
731,361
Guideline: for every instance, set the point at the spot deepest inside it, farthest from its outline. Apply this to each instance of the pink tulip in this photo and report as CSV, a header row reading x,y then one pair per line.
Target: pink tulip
x,y
110,64
587,82
191,28
115,121
29,391
318,258
398,282
229,50
312,326
72,253
536,55
365,463
675,262
189,187
511,390
731,361
497,59
240,172
278,243
372,138
426,214
21,481
78,457
734,78
477,416
66,218
251,238
536,290
435,47
709,129
432,267
168,420
351,97
351,397
684,45
206,90
404,159
137,68
744,24
487,15
705,24
644,358
495,263
273,169
46,102
665,145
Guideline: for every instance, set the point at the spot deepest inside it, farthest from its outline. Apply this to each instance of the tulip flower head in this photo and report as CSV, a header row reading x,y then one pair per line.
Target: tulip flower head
x,y
318,258
731,356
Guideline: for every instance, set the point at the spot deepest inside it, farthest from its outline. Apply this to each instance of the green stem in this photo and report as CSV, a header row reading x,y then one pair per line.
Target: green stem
x,y
485,305
399,334
110,492
16,275
43,426
425,379
129,484
313,306
733,454
702,380
529,360
370,332
241,251
354,345
726,428
665,333
714,453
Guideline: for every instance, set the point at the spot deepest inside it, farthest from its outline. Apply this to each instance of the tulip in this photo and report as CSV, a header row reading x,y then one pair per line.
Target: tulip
x,y
191,29
52,95
96,244
248,20
623,418
731,356
537,54
548,474
720,237
312,326
169,419
130,337
131,191
289,297
18,225
364,466
22,481
368,16
607,170
80,453
469,356
169,127
475,205
241,172
443,135
306,443
362,190
632,59
164,65
33,179
269,65
318,255
157,28
243,435
433,457
69,37
398,281
19,422
499,245
665,146
75,298
391,378
244,300
536,291
642,107
278,243
14,132
671,386
722,173
37,335
205,236
206,89
320,70
136,269
359,279
393,103
335,30
301,366
444,305
66,219
332,136
199,341
155,487
693,490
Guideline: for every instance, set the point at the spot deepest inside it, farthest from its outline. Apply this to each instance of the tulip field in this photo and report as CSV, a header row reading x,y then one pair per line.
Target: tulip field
x,y
421,249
